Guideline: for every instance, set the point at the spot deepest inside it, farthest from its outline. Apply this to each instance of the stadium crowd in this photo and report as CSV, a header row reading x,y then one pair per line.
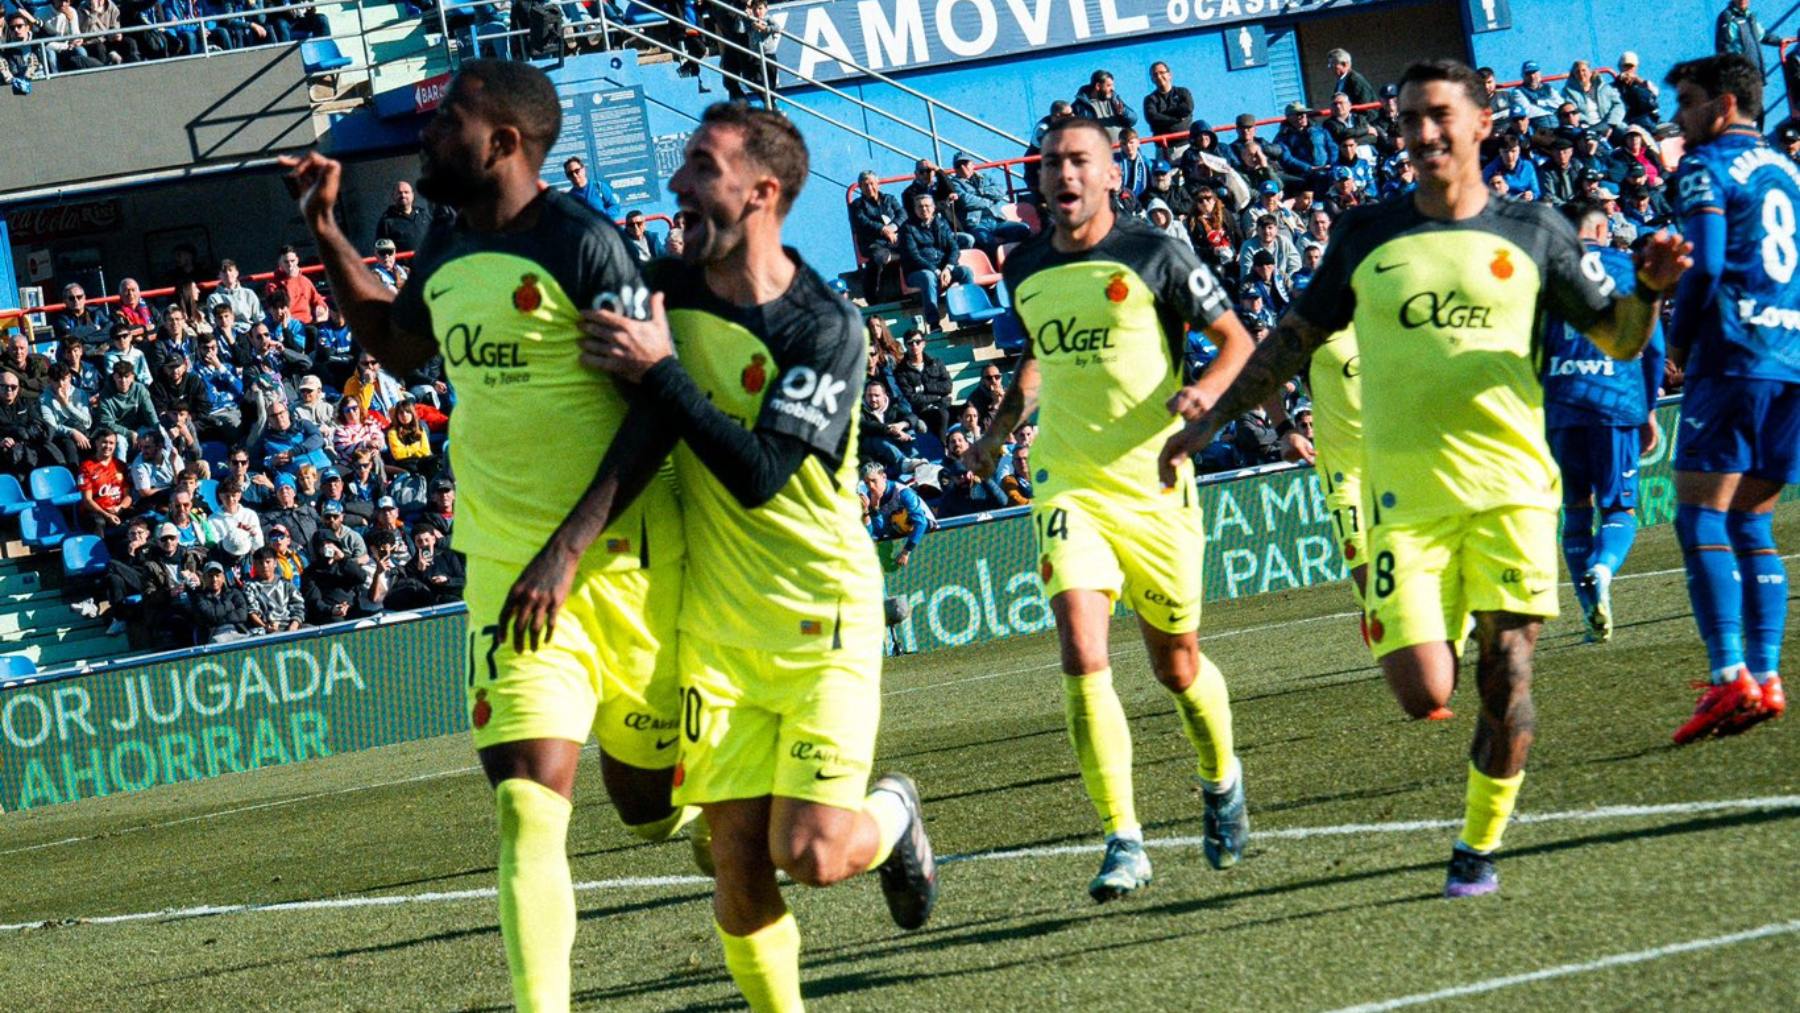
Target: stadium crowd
x,y
249,469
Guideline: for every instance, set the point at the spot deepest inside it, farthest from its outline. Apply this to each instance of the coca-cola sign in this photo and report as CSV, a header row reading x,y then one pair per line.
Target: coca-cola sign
x,y
47,224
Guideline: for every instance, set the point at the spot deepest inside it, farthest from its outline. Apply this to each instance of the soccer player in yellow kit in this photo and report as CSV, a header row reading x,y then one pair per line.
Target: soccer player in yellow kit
x,y
781,621
574,562
1105,301
1446,288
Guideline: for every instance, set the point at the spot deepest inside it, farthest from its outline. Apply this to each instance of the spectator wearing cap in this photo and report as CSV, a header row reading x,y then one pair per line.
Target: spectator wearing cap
x,y
979,199
245,304
312,406
895,511
928,257
1253,305
1591,153
90,325
125,407
1595,100
333,583
1134,168
1737,30
1346,81
1636,151
1518,172
595,193
1398,175
875,218
176,387
1353,165
1099,100
404,223
1343,194
1386,120
1277,294
273,602
287,441
1162,187
1532,98
387,518
432,576
1307,150
1557,175
236,529
387,267
1637,94
1268,238
1168,109
1641,207
1787,139
32,369
440,506
1205,164
964,492
296,519
290,562
219,613
337,534
1269,203
124,349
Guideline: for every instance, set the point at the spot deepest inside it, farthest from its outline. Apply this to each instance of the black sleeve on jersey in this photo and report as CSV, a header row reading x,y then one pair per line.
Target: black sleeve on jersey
x,y
1187,286
606,275
1576,285
1329,302
752,465
818,390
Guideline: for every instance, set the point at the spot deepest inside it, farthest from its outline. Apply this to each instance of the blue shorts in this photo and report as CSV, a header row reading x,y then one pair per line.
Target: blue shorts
x,y
1598,461
1733,426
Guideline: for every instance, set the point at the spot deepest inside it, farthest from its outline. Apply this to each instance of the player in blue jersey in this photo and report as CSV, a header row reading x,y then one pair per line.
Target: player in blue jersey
x,y
1598,414
1737,331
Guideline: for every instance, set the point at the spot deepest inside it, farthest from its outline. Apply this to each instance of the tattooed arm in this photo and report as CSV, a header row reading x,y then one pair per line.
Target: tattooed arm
x,y
1278,359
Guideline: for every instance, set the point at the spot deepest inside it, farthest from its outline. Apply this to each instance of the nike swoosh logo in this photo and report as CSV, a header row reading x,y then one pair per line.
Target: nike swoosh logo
x,y
1696,423
1385,268
438,293
1535,591
662,744
1627,474
1027,298
822,776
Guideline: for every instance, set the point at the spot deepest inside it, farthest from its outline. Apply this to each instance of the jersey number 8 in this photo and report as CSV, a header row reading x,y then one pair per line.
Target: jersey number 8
x,y
1779,254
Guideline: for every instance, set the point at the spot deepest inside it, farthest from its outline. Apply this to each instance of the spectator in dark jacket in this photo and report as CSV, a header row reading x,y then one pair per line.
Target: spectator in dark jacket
x,y
884,434
32,369
332,584
300,521
404,221
928,252
1639,96
219,612
1168,109
964,492
1737,30
433,576
1346,80
987,395
175,387
926,384
875,219
24,437
1307,151
90,325
1099,100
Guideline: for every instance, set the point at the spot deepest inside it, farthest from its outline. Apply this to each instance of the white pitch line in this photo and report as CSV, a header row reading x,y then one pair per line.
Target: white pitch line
x,y
1015,854
1565,970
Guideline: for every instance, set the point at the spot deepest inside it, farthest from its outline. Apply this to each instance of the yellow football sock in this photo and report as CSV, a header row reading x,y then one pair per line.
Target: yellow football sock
x,y
1102,740
537,901
657,831
1205,710
766,964
1489,806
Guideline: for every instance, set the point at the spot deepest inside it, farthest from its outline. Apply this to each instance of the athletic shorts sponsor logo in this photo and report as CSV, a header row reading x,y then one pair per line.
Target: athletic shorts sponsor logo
x,y
638,721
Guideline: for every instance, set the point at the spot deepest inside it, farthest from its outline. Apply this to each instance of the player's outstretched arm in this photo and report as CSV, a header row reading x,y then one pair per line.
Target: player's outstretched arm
x,y
630,464
1283,355
1659,264
1016,406
314,179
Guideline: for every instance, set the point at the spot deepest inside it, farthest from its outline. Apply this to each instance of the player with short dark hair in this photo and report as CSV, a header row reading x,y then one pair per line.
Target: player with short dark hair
x,y
573,567
1446,290
1107,301
782,627
1600,418
1737,334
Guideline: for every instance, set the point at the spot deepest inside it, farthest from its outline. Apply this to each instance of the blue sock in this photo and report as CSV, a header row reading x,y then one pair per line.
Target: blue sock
x,y
1618,529
1713,585
1765,590
1577,539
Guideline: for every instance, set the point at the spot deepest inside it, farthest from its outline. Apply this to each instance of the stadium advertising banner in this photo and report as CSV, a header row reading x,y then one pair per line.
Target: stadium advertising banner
x,y
199,715
890,35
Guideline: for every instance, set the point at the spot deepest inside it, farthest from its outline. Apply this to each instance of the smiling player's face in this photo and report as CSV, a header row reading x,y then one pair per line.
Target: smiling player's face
x,y
1444,128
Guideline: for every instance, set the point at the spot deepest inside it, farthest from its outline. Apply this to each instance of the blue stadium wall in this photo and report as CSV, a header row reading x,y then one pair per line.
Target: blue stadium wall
x,y
1014,92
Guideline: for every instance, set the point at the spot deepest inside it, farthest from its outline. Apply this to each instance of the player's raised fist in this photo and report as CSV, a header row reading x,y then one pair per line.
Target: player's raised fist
x,y
313,181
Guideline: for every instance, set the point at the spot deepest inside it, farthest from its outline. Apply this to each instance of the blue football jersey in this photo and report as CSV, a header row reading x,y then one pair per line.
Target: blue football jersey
x,y
1751,328
1585,387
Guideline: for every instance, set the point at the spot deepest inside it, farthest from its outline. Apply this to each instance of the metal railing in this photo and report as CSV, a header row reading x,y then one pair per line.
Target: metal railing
x,y
42,43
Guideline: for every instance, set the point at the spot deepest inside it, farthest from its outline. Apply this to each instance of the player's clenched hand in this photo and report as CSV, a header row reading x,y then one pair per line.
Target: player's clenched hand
x,y
313,180
619,344
1190,440
1296,447
982,458
1190,402
1662,260
537,596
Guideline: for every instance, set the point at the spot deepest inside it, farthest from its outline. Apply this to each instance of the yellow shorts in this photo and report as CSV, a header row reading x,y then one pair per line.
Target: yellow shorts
x,y
1428,577
610,669
1154,557
798,725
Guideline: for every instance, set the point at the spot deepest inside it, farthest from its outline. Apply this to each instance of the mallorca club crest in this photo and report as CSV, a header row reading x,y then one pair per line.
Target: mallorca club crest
x,y
1502,265
483,711
1045,570
528,296
1376,630
1117,290
756,375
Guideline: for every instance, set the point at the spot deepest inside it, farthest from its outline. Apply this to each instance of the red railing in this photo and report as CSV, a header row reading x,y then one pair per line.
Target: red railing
x,y
1006,164
205,286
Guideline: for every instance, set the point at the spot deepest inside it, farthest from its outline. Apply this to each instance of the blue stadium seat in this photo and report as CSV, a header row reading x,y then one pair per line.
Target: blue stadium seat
x,y
217,456
1002,295
1008,335
209,494
13,500
639,13
84,556
54,485
43,526
969,304
322,56
13,666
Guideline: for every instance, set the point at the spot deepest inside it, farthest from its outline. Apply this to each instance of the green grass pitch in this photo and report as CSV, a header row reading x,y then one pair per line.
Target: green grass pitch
x,y
1317,917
